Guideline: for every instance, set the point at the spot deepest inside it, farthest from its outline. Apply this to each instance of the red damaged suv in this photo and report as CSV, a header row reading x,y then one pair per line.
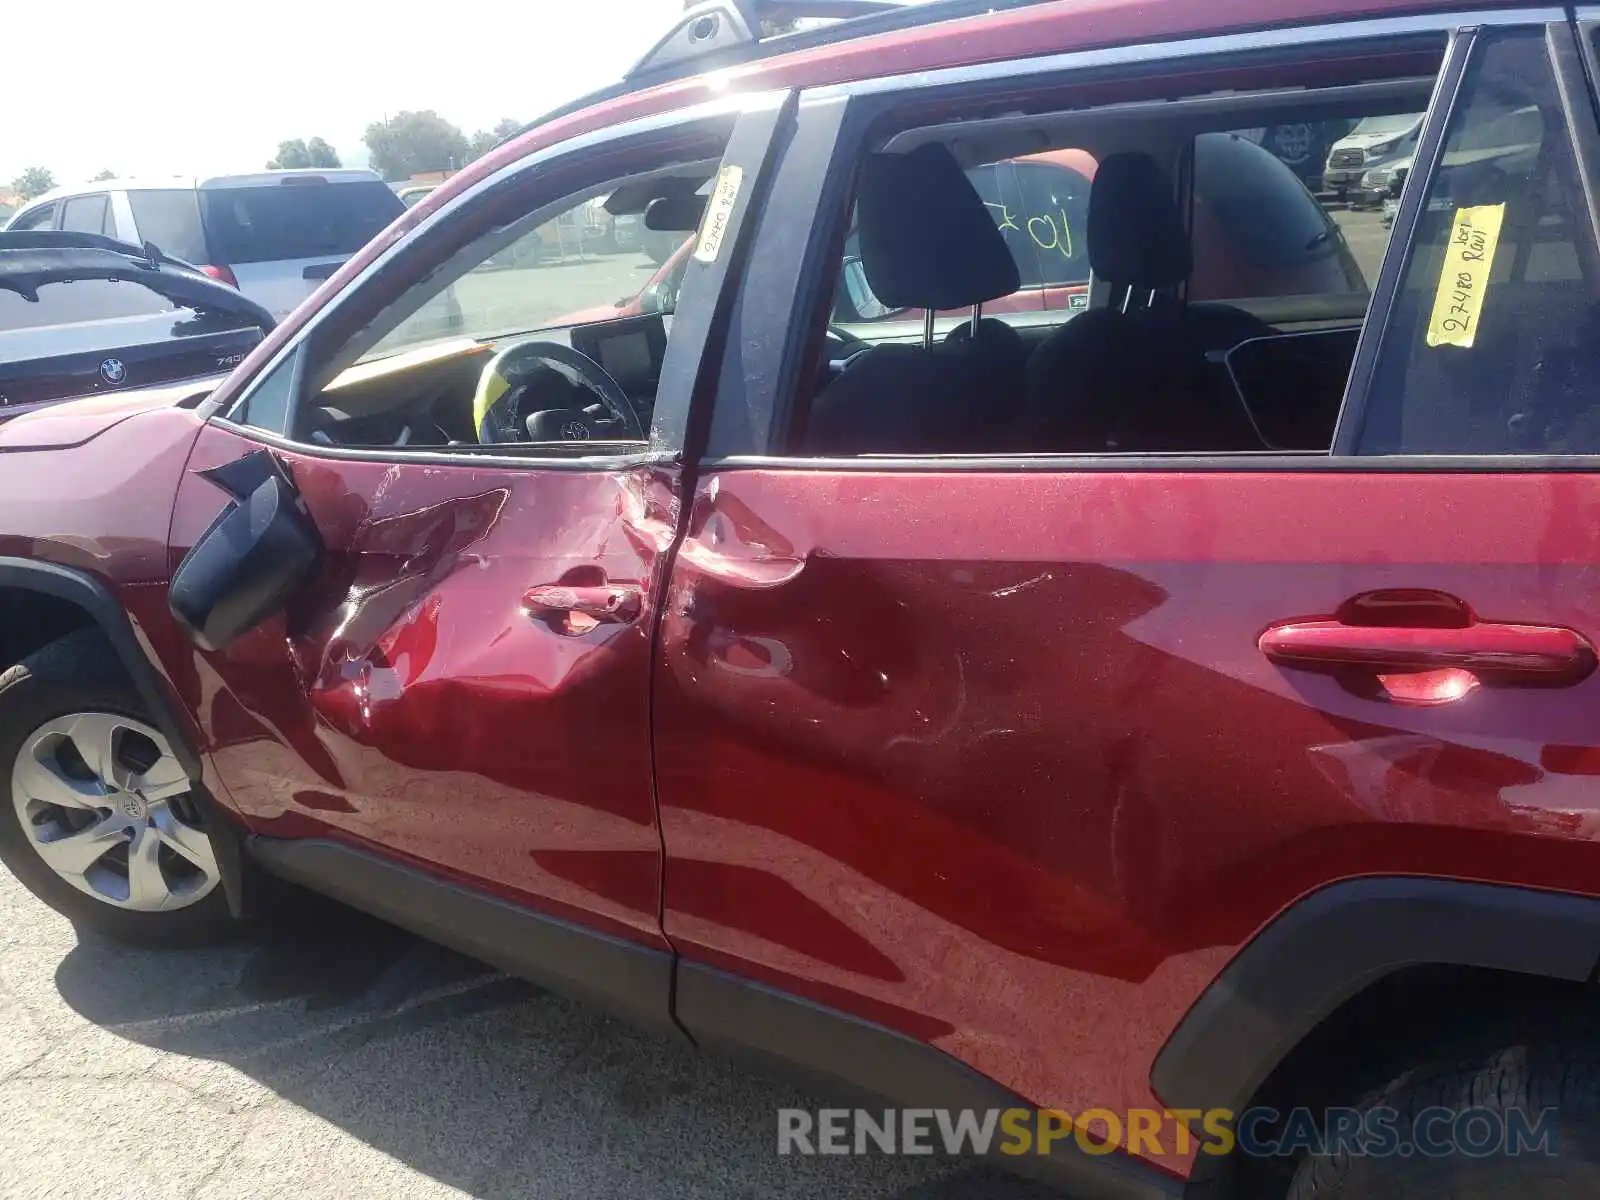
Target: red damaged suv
x,y
1176,711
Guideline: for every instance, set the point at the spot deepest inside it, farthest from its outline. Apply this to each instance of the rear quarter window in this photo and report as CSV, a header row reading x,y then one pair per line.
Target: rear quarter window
x,y
279,221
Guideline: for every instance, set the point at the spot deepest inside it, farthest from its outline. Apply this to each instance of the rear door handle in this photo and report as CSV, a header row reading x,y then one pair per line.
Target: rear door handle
x,y
1531,653
606,604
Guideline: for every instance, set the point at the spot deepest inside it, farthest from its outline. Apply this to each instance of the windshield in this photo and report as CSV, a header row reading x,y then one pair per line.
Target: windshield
x,y
1381,126
80,302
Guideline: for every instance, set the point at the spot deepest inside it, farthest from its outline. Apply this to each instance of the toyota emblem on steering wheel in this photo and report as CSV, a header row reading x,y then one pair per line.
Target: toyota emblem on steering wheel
x,y
575,431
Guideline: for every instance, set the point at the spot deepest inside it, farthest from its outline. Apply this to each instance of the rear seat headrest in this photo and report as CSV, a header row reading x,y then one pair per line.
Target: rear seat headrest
x,y
1136,233
927,239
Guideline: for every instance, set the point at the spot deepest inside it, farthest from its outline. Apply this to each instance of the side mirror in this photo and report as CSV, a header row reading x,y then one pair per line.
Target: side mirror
x,y
867,306
659,297
244,568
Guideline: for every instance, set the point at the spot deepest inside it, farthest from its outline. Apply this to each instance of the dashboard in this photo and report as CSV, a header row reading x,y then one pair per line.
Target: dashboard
x,y
631,349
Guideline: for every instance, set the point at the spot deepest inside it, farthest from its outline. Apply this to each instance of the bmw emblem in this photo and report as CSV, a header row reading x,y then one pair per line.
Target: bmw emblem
x,y
113,371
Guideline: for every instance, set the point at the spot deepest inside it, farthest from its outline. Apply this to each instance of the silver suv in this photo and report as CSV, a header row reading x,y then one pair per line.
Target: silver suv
x,y
274,235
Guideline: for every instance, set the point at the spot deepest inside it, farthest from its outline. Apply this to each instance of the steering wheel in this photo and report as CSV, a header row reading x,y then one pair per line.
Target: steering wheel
x,y
846,343
495,410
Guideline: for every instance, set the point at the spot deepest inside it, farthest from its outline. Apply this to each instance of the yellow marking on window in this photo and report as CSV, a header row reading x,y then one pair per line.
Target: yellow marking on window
x,y
1464,277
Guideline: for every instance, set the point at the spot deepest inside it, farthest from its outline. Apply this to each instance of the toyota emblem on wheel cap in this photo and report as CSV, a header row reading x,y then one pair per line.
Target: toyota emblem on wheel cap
x,y
113,371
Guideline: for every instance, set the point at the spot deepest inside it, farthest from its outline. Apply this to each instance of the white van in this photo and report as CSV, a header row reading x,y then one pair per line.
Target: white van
x,y
1374,142
274,235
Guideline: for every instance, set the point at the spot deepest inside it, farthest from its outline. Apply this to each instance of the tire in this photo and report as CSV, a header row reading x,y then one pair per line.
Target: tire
x,y
1558,1068
71,693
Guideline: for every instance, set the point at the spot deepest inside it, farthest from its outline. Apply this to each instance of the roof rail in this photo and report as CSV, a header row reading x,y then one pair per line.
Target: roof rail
x,y
713,28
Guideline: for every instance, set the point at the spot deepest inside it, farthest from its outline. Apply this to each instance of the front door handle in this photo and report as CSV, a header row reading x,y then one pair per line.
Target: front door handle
x,y
610,603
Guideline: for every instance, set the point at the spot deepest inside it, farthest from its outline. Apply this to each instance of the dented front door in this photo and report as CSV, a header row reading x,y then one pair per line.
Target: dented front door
x,y
466,682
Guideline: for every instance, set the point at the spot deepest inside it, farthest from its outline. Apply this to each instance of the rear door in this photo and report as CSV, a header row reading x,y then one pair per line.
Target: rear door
x,y
1008,752
282,236
462,686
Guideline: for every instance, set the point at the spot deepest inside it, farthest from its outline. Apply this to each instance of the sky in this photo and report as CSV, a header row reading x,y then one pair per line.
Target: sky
x,y
212,88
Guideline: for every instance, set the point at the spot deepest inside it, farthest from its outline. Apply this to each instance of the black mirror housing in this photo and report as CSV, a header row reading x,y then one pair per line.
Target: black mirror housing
x,y
244,568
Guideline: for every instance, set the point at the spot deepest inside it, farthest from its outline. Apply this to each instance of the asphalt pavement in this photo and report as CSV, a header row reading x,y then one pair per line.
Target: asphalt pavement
x,y
527,297
1367,238
330,1055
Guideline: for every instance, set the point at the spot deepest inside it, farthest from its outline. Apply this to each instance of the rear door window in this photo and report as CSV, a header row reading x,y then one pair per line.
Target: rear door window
x,y
275,222
86,214
169,219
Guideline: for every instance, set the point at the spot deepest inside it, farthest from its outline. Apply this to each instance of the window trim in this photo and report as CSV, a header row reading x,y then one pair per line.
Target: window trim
x,y
757,115
1574,86
1218,45
1402,239
1241,462
621,460
767,386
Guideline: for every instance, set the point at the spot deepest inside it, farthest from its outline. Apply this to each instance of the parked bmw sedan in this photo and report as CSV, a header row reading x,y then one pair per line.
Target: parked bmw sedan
x,y
82,314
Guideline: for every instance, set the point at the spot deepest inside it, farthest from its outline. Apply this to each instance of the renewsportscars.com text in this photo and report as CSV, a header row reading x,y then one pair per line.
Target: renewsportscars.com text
x,y
1259,1132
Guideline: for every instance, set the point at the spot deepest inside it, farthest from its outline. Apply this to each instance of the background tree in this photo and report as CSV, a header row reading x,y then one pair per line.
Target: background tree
x,y
103,176
413,142
291,154
486,140
299,153
322,154
35,181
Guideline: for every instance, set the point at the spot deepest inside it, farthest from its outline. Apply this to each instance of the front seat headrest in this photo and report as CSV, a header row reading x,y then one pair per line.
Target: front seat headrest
x,y
927,239
1136,233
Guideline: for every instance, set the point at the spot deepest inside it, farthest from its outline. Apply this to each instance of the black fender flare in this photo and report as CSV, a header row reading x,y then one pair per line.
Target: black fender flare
x,y
89,594
1330,945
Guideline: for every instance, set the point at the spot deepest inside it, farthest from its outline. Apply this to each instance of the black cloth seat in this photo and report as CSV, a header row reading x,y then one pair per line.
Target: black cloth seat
x,y
1134,376
927,242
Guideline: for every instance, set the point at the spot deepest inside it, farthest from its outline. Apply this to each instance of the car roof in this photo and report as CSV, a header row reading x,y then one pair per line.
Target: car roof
x,y
948,33
149,183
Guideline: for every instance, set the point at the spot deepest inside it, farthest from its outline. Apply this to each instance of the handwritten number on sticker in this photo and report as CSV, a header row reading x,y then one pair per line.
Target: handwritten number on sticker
x,y
719,213
1464,276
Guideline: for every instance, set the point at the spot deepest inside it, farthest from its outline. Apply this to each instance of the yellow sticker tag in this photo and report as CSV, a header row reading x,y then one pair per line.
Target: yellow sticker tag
x,y
719,213
1464,278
